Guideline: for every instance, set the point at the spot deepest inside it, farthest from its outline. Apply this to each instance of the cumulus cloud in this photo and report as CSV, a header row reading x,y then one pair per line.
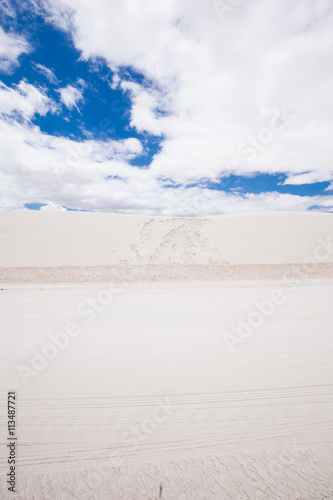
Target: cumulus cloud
x,y
12,46
38,167
220,80
242,93
93,175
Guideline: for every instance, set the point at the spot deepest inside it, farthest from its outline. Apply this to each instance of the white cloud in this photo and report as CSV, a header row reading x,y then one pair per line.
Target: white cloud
x,y
37,167
319,175
219,82
116,79
60,172
12,46
47,72
146,102
70,96
53,206
214,93
24,100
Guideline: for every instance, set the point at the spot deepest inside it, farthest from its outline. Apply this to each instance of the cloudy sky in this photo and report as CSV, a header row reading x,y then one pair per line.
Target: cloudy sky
x,y
173,107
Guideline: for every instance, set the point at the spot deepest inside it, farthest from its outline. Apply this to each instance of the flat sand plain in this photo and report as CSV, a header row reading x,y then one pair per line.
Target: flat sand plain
x,y
178,370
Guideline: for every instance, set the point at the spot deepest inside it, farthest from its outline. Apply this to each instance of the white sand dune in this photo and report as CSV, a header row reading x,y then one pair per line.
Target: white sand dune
x,y
48,239
149,372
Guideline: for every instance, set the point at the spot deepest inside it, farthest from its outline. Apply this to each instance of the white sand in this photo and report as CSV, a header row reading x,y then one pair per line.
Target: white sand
x,y
147,401
49,239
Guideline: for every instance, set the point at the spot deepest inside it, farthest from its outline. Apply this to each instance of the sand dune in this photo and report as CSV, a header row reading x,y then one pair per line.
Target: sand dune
x,y
174,359
56,239
60,247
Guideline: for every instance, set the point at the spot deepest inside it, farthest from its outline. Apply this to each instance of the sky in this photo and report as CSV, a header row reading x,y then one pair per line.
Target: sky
x,y
173,107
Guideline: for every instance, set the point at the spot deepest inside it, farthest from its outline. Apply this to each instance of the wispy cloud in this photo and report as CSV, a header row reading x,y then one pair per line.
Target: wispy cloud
x,y
71,95
24,101
12,46
47,72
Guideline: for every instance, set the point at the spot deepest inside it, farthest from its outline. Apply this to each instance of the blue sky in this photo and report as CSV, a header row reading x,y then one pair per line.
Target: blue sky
x,y
171,109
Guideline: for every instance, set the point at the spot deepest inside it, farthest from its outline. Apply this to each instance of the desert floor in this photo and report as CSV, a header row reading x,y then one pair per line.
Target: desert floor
x,y
148,399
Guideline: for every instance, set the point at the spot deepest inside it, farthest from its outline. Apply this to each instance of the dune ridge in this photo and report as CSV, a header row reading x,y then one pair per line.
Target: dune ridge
x,y
65,247
165,274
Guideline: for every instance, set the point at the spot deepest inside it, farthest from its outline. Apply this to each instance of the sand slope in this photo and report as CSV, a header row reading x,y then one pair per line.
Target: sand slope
x,y
46,239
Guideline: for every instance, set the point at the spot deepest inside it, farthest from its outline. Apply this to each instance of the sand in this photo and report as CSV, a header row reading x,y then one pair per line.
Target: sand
x,y
141,377
60,239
